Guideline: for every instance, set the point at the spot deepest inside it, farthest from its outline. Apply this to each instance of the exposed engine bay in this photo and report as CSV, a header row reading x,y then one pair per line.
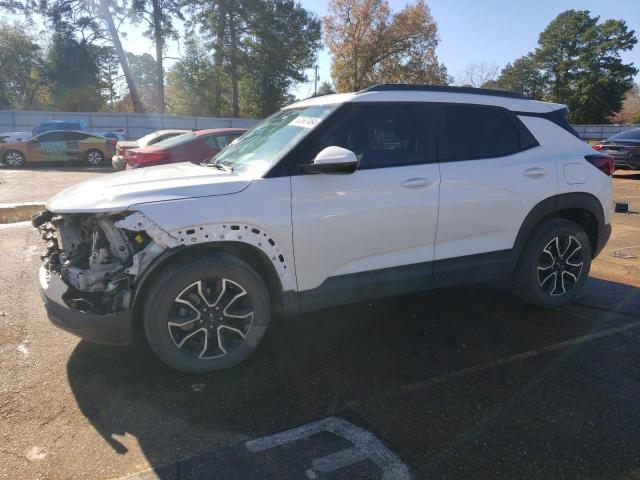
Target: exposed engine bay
x,y
96,259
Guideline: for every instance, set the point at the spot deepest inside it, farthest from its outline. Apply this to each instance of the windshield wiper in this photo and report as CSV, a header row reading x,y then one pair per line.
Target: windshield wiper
x,y
220,166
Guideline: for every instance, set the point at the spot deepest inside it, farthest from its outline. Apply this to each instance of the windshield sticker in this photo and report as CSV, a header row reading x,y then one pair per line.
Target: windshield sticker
x,y
305,122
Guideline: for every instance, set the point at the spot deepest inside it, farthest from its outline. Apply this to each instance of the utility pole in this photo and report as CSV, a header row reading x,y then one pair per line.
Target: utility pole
x,y
315,81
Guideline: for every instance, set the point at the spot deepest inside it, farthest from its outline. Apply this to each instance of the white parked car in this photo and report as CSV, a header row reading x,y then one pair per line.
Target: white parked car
x,y
118,161
334,199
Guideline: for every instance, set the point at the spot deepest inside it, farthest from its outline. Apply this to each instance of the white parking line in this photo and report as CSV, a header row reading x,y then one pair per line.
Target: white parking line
x,y
365,447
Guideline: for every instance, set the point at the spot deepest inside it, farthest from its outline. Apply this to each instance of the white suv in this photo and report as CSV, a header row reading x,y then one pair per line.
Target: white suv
x,y
334,199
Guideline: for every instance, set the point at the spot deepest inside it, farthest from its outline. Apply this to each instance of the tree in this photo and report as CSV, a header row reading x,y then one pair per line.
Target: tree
x,y
224,23
370,44
192,83
478,74
581,58
282,42
96,16
630,111
22,80
522,76
159,15
325,89
74,74
260,48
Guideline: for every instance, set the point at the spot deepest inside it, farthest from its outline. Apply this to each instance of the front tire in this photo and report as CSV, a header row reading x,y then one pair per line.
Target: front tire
x,y
207,314
14,159
554,264
94,157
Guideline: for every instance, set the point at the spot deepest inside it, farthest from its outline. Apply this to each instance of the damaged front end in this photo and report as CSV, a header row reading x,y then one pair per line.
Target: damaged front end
x,y
89,270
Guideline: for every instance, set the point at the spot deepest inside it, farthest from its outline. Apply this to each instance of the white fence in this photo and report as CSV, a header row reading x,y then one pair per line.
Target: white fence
x,y
135,125
600,132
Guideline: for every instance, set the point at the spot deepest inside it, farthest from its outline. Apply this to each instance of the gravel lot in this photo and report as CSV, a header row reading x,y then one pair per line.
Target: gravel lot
x,y
459,383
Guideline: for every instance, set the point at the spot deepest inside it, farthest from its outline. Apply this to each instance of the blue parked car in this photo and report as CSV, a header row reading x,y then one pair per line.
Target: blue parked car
x,y
76,125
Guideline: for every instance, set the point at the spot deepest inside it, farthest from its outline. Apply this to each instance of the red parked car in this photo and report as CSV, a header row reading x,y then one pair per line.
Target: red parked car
x,y
195,147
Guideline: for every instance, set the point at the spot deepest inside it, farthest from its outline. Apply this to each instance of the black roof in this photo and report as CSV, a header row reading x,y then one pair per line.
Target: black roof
x,y
390,87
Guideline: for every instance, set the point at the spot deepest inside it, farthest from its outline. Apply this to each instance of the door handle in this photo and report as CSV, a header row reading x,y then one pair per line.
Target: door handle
x,y
535,172
417,182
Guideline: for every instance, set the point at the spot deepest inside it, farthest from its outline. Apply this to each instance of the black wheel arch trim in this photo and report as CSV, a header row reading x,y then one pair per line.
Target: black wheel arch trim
x,y
553,205
280,299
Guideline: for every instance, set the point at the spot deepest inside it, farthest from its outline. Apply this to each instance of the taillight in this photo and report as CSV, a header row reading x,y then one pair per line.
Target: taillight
x,y
604,163
147,157
597,147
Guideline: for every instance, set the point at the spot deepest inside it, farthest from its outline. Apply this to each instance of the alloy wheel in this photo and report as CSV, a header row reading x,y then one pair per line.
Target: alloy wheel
x,y
210,318
560,265
14,159
94,158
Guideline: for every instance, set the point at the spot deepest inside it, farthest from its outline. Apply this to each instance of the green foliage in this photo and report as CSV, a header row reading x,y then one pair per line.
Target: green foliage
x,y
524,76
635,118
325,88
190,82
260,48
283,43
22,80
75,82
582,58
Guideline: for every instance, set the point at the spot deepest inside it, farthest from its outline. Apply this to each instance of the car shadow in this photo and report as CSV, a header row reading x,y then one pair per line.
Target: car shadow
x,y
626,175
324,362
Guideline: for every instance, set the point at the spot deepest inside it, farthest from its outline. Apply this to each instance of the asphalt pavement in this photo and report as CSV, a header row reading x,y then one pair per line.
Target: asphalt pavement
x,y
454,383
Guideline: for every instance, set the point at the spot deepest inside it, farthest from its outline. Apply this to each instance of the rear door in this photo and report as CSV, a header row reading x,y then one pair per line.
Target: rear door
x,y
492,173
79,143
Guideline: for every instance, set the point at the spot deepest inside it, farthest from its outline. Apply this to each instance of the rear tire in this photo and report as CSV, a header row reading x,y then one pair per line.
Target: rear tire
x,y
94,157
554,264
207,314
14,159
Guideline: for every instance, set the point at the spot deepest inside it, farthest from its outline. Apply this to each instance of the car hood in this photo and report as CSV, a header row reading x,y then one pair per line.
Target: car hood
x,y
118,191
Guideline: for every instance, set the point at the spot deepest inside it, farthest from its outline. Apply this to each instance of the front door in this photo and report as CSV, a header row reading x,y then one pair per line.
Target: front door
x,y
371,232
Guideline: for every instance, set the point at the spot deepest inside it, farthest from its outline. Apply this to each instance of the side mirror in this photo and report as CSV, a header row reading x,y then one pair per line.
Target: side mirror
x,y
333,160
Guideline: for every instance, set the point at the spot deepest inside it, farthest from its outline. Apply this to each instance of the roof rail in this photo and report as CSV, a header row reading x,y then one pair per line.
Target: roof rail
x,y
391,87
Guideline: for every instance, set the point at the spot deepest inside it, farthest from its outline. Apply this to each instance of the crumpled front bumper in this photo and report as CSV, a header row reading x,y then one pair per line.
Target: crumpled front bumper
x,y
108,329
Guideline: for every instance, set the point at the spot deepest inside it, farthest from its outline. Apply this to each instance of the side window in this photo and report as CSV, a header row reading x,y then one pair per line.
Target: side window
x,y
75,136
383,135
473,132
224,140
53,137
211,142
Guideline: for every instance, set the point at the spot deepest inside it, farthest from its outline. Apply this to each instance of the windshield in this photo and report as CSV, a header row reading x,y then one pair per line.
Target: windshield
x,y
177,140
266,143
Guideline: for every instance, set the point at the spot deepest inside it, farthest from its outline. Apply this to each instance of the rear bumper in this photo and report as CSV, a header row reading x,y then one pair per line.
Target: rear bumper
x,y
118,162
108,329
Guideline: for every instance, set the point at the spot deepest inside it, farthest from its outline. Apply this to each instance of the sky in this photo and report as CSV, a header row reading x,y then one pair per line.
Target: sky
x,y
495,31
471,31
